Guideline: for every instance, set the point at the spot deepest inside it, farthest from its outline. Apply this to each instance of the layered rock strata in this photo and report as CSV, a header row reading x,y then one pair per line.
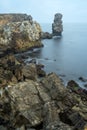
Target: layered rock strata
x,y
57,26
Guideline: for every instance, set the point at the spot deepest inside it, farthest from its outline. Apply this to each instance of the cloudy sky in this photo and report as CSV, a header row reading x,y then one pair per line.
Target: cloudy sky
x,y
43,10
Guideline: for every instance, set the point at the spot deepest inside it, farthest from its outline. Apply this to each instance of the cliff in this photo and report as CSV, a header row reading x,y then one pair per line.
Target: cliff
x,y
19,32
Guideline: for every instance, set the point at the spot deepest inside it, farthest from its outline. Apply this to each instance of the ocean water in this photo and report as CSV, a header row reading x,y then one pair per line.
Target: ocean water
x,y
67,56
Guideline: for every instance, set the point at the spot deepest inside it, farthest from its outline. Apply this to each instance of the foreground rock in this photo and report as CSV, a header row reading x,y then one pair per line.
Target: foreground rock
x,y
44,104
18,32
57,26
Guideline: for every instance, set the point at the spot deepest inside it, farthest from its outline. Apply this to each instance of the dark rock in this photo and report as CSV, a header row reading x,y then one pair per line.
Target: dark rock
x,y
40,71
3,128
51,118
46,35
57,26
85,85
73,86
82,79
33,61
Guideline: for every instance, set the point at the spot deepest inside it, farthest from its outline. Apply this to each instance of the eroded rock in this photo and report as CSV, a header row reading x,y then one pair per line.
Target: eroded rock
x,y
19,34
57,26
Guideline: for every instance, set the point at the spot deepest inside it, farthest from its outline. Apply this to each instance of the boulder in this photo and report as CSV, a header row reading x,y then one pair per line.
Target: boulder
x,y
57,26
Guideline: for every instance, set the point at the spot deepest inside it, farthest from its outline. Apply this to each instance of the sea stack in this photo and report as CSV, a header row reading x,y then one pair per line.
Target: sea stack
x,y
57,26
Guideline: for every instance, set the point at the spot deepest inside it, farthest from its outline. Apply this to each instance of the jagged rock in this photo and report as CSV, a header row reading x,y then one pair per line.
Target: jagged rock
x,y
46,35
51,118
20,35
7,18
40,71
28,102
42,104
30,71
52,83
73,86
57,26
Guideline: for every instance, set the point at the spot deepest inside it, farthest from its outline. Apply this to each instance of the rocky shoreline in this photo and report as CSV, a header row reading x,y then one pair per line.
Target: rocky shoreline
x,y
30,99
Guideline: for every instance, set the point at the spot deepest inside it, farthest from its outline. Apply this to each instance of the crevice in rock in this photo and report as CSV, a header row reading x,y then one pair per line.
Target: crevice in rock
x,y
65,119
38,127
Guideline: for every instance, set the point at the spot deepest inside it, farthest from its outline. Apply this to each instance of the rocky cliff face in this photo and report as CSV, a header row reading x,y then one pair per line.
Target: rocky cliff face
x,y
19,32
57,26
7,18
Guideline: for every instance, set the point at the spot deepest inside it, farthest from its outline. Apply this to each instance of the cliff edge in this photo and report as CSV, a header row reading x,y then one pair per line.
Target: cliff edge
x,y
19,32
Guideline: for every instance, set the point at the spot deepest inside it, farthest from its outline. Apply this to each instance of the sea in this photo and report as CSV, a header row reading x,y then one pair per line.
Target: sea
x,y
66,56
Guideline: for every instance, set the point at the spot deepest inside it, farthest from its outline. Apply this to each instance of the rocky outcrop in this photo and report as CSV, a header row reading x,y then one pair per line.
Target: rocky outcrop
x,y
32,100
7,18
46,35
57,26
19,33
41,104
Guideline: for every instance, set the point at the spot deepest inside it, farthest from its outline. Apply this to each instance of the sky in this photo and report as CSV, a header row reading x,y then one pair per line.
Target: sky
x,y
43,10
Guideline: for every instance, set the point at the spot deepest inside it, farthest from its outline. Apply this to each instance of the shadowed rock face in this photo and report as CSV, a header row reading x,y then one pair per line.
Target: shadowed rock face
x,y
57,26
19,32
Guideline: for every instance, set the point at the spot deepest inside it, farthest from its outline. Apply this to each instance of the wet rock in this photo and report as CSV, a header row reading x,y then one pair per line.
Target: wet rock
x,y
57,26
40,71
33,61
85,85
46,35
82,79
73,86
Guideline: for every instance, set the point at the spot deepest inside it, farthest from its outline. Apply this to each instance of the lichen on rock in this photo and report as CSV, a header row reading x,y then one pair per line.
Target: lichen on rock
x,y
20,35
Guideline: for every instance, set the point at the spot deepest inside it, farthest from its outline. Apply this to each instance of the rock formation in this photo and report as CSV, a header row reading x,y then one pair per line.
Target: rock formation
x,y
30,103
19,32
30,99
57,26
7,18
46,35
